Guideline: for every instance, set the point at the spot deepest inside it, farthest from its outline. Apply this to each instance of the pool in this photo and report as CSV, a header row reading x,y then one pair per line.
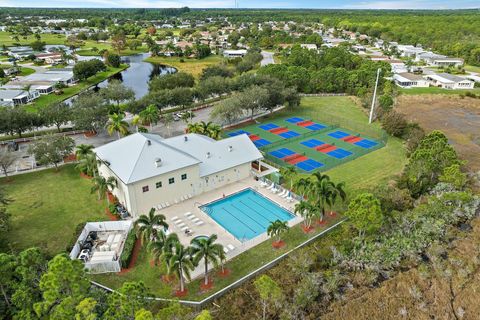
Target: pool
x,y
246,214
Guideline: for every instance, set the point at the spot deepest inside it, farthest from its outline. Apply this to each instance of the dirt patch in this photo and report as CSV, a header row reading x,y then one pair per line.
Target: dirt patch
x,y
458,118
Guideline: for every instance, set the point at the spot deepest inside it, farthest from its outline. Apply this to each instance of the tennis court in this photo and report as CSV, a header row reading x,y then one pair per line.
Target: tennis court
x,y
307,144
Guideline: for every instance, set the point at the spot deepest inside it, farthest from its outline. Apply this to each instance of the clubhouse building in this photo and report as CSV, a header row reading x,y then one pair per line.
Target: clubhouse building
x,y
153,172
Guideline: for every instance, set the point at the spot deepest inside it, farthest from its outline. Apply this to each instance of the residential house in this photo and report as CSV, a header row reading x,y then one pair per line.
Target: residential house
x,y
410,80
231,54
449,81
150,170
15,97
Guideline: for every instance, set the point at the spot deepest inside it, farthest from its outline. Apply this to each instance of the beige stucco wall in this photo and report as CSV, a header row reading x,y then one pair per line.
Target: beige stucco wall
x,y
138,202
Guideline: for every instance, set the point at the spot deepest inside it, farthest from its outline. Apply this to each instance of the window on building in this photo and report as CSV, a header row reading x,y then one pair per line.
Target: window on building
x,y
158,184
184,176
171,181
145,188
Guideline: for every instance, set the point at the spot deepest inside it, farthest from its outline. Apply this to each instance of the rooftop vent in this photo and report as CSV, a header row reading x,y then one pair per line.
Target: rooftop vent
x,y
185,138
149,142
209,155
107,163
230,148
158,162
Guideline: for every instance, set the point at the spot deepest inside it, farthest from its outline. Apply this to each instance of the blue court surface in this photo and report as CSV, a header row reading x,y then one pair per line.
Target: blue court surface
x,y
338,134
261,142
315,127
312,143
268,126
365,143
309,165
288,134
246,214
339,153
239,132
294,120
282,153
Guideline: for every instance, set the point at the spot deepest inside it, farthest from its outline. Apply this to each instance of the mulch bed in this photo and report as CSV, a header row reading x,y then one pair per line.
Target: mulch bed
x,y
90,134
70,158
225,273
180,294
85,176
307,229
321,222
332,213
110,215
133,260
278,244
205,287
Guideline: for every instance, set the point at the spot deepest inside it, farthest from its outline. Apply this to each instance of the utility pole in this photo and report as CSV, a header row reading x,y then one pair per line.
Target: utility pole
x,y
370,119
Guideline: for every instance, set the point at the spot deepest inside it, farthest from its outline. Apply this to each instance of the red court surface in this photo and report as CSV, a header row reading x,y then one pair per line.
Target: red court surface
x,y
352,139
279,130
295,158
326,148
254,137
305,123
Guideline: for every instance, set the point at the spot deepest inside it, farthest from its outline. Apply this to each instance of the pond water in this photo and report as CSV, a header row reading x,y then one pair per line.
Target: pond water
x,y
137,75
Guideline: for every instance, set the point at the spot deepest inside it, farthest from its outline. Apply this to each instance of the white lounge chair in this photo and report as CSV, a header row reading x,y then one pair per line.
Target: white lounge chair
x,y
182,224
175,218
286,195
189,215
167,204
199,223
271,186
225,250
230,247
195,219
275,190
281,194
184,228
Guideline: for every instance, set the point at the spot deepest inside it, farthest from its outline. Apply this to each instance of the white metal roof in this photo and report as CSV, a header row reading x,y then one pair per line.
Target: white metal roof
x,y
132,158
216,156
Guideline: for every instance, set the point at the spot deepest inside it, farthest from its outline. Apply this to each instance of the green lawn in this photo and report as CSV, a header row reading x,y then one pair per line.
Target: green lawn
x,y
472,68
71,91
435,90
193,66
24,71
239,266
86,49
5,38
47,206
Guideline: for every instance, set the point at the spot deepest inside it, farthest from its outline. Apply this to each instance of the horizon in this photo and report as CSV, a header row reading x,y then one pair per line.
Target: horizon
x,y
427,5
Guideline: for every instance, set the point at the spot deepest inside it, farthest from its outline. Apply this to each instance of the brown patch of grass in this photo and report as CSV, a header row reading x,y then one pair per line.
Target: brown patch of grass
x,y
458,118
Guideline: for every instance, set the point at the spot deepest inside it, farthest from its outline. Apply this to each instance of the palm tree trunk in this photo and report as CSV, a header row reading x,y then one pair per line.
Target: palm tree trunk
x,y
118,134
181,281
206,272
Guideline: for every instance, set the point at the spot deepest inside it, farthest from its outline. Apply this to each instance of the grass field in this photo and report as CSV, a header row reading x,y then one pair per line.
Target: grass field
x,y
71,91
47,206
86,49
435,90
5,38
472,68
238,266
193,66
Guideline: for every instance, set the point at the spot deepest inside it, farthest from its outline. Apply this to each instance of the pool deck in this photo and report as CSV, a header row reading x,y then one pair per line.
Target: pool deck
x,y
209,225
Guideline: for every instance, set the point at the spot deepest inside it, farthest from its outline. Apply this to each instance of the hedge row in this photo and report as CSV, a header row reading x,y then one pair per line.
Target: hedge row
x,y
128,248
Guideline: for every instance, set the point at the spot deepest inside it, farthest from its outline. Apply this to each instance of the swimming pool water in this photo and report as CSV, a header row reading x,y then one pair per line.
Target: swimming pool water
x,y
246,214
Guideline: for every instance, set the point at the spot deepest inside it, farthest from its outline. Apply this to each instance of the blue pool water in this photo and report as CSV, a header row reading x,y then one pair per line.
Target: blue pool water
x,y
246,214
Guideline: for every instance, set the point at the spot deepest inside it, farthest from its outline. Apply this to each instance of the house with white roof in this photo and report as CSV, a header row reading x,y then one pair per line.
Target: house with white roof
x,y
151,170
234,53
449,81
15,97
410,80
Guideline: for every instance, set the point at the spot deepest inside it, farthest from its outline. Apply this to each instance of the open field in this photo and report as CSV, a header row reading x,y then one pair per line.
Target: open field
x,y
239,266
5,38
47,206
472,68
86,49
193,66
24,71
458,118
435,90
73,90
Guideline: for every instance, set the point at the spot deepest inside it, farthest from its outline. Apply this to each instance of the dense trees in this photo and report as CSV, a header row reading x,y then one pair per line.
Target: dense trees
x,y
85,69
51,149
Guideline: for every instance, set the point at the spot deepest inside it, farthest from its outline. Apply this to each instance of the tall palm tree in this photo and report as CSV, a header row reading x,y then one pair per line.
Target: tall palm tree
x,y
207,250
180,261
304,186
214,131
162,245
117,124
149,115
135,121
147,225
102,186
289,173
276,228
306,211
324,190
338,191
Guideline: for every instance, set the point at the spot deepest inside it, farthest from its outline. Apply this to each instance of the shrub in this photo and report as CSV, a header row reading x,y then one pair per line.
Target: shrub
x,y
394,123
127,252
76,233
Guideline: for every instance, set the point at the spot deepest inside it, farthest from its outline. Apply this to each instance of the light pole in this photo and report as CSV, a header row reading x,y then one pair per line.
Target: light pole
x,y
370,119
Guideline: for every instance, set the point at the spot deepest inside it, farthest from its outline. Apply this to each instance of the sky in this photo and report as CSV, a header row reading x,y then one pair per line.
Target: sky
x,y
320,4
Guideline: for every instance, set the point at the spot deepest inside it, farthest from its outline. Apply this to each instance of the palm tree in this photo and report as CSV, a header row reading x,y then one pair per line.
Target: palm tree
x,y
323,189
213,131
135,121
179,260
276,228
306,211
102,186
117,123
194,127
162,245
207,250
147,225
82,150
222,257
338,191
289,173
305,186
149,115
168,119
87,161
